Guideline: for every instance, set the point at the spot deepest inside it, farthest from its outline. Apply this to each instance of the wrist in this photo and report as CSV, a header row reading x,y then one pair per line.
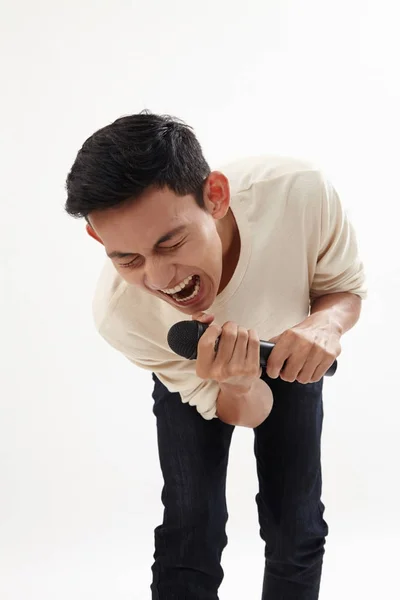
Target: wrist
x,y
342,309
326,319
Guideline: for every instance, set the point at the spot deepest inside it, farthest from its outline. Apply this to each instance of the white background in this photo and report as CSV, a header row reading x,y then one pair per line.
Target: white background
x,y
79,475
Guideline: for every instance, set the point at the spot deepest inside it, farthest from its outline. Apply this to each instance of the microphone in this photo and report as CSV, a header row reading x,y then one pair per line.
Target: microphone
x,y
184,336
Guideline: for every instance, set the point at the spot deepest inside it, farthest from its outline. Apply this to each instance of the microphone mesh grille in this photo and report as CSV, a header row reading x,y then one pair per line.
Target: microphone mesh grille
x,y
183,338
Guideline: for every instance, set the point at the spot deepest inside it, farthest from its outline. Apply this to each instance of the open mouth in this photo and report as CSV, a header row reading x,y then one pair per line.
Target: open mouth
x,y
187,294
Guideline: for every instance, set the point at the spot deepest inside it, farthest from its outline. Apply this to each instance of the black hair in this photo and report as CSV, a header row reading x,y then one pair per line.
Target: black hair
x,y
136,152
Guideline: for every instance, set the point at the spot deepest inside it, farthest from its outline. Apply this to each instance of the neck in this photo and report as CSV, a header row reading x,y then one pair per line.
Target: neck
x,y
230,238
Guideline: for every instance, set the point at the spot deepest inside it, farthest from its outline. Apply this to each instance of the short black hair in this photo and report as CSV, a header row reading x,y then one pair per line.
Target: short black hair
x,y
136,152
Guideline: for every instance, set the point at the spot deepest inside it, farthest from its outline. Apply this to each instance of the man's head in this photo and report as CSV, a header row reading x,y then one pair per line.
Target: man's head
x,y
149,197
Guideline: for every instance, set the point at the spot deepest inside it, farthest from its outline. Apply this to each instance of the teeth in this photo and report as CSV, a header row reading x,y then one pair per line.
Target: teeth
x,y
178,287
195,292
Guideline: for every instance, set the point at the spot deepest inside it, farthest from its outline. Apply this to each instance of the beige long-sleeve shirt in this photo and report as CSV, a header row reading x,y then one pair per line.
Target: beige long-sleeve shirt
x,y
297,243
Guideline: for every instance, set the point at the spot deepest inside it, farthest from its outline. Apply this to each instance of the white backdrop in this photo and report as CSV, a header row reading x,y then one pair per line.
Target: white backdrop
x,y
79,475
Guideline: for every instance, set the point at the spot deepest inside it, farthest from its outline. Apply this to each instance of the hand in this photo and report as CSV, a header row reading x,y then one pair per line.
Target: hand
x,y
305,352
237,361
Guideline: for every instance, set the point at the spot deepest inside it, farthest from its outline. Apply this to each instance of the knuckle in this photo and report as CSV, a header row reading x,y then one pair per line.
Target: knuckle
x,y
242,333
207,340
229,328
228,335
253,335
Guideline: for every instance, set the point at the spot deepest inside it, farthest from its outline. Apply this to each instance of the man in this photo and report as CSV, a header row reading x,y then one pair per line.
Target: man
x,y
266,248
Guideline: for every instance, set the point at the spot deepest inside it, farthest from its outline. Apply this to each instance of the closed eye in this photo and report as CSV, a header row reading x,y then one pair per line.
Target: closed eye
x,y
171,247
134,262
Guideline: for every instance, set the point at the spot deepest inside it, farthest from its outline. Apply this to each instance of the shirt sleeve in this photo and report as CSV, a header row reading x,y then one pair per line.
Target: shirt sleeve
x,y
177,374
339,267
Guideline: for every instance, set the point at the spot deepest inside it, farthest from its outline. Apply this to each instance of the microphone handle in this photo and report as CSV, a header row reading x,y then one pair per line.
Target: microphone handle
x,y
265,350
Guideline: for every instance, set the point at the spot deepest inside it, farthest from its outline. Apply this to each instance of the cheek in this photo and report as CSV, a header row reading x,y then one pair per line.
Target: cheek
x,y
210,247
128,275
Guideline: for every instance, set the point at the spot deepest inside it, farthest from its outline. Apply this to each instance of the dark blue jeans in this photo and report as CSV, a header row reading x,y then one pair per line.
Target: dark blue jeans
x,y
194,457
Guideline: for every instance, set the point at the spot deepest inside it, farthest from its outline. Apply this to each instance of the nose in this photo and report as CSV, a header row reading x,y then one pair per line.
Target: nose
x,y
158,276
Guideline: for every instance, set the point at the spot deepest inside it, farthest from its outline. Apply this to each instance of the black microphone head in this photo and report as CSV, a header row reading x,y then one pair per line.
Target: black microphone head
x,y
184,336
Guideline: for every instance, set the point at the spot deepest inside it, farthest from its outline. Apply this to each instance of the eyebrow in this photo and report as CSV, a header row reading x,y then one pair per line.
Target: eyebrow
x,y
162,239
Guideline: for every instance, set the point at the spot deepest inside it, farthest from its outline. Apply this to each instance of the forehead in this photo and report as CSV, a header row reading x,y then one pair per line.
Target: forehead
x,y
143,221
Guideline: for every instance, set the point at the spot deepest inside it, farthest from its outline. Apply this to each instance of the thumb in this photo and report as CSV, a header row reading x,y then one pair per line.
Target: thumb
x,y
203,317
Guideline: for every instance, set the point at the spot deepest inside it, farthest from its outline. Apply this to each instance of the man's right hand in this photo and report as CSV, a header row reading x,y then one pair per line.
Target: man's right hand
x,y
237,361
244,398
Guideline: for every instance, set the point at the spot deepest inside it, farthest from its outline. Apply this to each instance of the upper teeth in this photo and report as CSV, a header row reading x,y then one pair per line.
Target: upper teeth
x,y
179,287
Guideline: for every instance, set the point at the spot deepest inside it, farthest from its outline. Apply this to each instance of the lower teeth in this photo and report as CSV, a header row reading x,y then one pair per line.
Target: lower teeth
x,y
192,295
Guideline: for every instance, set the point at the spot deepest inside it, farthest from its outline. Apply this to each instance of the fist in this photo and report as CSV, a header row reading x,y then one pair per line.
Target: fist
x,y
237,359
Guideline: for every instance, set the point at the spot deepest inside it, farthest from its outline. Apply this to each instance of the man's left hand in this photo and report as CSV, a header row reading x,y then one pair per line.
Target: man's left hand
x,y
305,352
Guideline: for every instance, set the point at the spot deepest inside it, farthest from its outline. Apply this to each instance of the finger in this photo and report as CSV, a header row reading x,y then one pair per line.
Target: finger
x,y
306,373
253,350
240,349
316,359
226,344
206,350
276,360
290,369
321,370
203,317
299,366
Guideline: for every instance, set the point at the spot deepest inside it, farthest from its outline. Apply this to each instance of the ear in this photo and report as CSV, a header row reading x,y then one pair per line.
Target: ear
x,y
217,194
93,234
